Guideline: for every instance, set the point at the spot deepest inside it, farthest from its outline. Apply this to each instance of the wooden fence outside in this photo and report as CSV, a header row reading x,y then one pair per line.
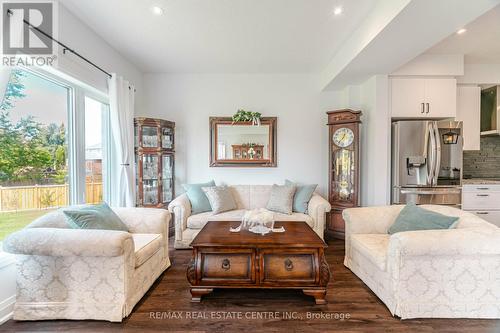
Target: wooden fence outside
x,y
16,198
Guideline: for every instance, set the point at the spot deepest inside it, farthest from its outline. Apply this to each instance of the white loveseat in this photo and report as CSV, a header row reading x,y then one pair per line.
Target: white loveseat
x,y
247,197
452,273
65,273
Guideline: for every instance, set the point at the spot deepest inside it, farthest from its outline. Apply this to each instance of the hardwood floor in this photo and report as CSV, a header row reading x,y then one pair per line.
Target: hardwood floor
x,y
347,296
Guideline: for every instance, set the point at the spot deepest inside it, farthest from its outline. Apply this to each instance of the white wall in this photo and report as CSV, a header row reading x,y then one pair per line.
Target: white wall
x,y
480,74
85,41
372,97
190,100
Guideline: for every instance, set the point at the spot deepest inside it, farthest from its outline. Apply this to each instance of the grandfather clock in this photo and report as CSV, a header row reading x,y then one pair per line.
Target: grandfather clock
x,y
344,168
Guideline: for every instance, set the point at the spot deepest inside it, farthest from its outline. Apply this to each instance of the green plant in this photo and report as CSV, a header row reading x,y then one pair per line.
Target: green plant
x,y
243,115
48,198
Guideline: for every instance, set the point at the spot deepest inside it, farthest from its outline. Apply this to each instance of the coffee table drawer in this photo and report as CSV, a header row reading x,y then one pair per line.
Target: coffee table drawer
x,y
290,267
227,266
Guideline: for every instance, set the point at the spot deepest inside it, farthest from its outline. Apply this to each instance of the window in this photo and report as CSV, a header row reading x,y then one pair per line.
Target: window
x,y
53,147
96,149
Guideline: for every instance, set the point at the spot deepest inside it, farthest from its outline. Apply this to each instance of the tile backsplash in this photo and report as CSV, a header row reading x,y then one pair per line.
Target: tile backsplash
x,y
484,163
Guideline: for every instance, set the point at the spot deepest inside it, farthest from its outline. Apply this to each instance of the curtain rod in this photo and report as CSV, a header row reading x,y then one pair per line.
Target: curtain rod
x,y
65,47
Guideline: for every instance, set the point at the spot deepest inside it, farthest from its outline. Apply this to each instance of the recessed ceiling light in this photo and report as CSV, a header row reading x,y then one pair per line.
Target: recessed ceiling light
x,y
337,10
157,10
461,31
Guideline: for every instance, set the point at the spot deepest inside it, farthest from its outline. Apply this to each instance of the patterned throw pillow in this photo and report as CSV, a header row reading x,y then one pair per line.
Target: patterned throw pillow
x,y
220,198
281,199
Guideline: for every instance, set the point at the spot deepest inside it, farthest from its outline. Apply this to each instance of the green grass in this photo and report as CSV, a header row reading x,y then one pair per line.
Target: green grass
x,y
10,222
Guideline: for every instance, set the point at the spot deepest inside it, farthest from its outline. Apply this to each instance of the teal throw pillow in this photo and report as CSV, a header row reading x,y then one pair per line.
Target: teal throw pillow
x,y
94,217
412,218
302,196
198,198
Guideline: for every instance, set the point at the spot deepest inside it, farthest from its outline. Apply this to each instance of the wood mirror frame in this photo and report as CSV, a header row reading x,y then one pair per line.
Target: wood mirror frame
x,y
266,163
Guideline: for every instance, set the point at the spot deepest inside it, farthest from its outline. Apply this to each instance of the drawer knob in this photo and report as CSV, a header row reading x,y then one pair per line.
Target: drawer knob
x,y
226,264
288,265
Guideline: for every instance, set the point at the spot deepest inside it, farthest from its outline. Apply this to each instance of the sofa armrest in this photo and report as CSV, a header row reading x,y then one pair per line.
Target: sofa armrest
x,y
68,242
447,242
144,220
317,209
370,220
181,208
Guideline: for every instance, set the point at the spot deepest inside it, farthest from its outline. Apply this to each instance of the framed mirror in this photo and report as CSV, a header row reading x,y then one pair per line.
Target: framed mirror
x,y
242,144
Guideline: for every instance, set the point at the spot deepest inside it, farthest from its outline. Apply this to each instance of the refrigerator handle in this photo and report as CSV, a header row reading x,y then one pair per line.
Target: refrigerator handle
x,y
438,154
425,154
431,158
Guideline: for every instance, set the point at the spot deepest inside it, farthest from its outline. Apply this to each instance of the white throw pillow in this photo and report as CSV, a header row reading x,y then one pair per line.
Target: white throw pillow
x,y
220,198
281,199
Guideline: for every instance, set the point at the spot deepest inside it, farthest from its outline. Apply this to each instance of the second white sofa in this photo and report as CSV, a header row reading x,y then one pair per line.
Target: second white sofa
x,y
450,273
247,197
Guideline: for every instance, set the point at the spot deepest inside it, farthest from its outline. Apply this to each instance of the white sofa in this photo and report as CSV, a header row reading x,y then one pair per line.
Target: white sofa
x,y
247,197
452,273
65,273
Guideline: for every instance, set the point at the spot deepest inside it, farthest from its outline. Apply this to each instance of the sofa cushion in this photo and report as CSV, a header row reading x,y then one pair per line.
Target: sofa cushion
x,y
259,196
145,245
281,200
198,221
413,218
94,217
220,198
373,247
198,199
302,196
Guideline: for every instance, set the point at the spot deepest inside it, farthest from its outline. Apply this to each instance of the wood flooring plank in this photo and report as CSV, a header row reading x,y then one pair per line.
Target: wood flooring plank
x,y
346,295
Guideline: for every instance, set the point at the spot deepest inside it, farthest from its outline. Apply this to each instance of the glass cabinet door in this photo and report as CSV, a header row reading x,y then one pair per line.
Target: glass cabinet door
x,y
167,178
343,174
150,179
150,137
167,137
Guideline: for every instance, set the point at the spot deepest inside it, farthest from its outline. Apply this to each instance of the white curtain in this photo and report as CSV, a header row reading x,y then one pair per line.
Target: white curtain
x,y
122,181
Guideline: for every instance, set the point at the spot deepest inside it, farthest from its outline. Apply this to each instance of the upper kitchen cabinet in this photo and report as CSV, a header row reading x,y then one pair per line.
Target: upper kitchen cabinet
x,y
469,112
423,98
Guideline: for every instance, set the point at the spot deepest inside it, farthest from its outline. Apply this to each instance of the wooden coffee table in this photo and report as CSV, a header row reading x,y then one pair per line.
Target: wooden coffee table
x,y
294,259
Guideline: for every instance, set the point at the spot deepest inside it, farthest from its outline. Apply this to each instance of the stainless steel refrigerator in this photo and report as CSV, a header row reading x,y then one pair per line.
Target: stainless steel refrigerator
x,y
427,158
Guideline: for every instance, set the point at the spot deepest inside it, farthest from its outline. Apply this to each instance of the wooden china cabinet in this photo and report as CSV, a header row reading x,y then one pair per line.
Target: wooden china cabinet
x,y
154,161
344,167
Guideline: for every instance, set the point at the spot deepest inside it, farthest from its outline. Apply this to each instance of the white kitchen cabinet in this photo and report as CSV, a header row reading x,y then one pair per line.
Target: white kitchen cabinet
x,y
489,215
482,200
469,112
423,98
407,97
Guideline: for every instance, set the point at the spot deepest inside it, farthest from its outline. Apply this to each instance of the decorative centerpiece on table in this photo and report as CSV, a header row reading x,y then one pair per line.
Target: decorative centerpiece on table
x,y
258,221
247,116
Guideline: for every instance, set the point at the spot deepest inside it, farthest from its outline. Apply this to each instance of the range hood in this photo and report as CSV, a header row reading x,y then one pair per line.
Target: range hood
x,y
490,111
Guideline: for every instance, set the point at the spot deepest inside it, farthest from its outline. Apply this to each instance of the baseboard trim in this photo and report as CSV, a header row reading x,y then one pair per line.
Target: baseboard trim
x,y
7,309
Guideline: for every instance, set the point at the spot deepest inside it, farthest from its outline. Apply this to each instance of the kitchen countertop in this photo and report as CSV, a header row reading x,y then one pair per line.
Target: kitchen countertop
x,y
481,181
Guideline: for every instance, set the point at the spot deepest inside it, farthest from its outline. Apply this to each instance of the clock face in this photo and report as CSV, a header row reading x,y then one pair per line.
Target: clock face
x,y
343,137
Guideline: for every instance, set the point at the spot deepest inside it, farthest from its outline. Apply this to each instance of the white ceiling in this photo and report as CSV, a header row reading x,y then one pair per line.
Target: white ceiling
x,y
480,43
224,36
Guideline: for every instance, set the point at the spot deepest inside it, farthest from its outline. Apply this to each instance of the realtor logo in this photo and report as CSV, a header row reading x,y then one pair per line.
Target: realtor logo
x,y
20,32
27,28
